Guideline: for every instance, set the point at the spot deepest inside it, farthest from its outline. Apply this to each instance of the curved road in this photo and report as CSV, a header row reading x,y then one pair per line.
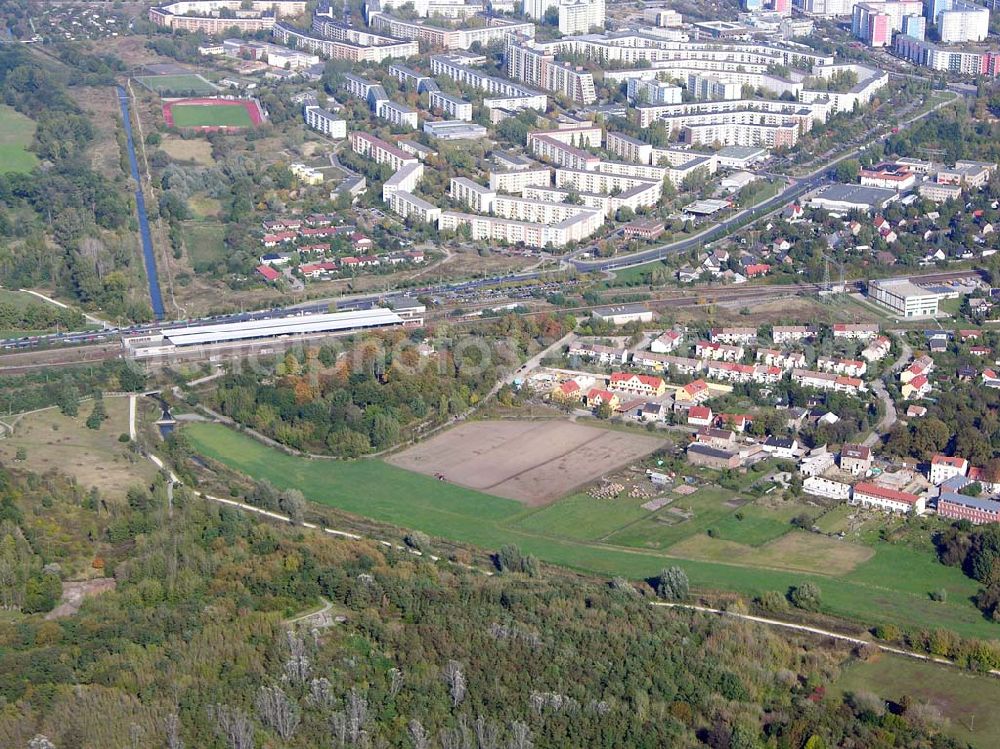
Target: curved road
x,y
798,187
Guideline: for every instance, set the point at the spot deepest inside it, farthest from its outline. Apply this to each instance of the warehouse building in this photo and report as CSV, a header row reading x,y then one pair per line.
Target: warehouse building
x,y
904,298
169,340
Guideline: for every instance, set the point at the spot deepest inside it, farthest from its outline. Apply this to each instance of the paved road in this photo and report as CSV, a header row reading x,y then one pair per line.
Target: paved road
x,y
798,187
878,386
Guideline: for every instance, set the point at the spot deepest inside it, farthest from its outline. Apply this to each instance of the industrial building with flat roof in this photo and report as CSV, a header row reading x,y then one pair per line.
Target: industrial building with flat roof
x,y
845,198
904,297
169,340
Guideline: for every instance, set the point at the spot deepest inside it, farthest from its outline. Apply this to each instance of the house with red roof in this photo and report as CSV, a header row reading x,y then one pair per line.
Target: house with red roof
x,y
944,467
315,270
281,237
637,384
872,495
918,387
269,273
756,270
596,397
694,392
700,416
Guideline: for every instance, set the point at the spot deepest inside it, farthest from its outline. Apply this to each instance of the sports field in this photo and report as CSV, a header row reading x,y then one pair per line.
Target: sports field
x,y
873,583
177,85
211,114
531,461
16,134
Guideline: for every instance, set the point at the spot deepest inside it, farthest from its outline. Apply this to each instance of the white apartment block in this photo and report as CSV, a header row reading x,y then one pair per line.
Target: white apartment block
x,y
497,229
537,211
543,146
600,182
346,44
641,91
472,194
399,115
820,486
407,204
580,16
828,381
713,87
630,149
380,151
791,333
501,89
636,198
447,38
325,122
455,107
405,179
528,63
515,182
633,46
944,467
963,22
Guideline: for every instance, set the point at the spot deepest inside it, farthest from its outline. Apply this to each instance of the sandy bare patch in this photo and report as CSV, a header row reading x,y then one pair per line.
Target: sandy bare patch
x,y
533,462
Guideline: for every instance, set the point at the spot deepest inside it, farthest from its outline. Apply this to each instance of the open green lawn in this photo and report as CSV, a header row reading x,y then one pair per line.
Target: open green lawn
x,y
177,85
16,134
958,695
710,506
204,243
889,585
210,115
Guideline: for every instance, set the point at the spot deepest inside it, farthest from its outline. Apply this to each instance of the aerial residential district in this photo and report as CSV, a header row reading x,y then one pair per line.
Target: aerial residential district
x,y
499,374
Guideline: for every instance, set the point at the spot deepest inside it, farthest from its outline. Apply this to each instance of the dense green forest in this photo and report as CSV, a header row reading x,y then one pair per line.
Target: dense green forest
x,y
64,225
380,389
192,648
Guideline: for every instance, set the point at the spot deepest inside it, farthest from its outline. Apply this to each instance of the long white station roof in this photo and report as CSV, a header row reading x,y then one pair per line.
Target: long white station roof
x,y
280,326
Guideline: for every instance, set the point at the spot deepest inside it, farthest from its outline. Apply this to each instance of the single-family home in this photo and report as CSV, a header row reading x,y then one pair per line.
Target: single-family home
x,y
667,342
700,416
855,459
943,467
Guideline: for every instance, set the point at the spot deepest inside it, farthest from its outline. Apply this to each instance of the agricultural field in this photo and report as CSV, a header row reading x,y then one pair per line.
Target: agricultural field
x,y
966,701
94,457
531,461
178,85
872,582
16,134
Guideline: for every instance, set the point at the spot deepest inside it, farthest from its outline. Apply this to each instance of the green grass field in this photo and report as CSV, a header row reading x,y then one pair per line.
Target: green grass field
x,y
204,243
177,85
208,115
869,583
16,134
959,695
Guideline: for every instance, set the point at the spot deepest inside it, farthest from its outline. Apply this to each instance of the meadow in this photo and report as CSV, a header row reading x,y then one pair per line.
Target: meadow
x,y
16,134
870,583
967,701
205,246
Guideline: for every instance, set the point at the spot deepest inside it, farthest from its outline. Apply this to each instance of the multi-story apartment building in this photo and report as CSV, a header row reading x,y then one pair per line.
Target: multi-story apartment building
x,y
206,15
399,115
496,29
404,179
878,497
964,21
455,107
544,146
325,122
472,194
653,91
944,467
971,62
531,64
515,182
507,94
407,204
345,48
497,229
956,506
380,151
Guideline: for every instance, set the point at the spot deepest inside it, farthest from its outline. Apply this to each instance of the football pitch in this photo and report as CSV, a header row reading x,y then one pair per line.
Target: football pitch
x,y
177,84
211,115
